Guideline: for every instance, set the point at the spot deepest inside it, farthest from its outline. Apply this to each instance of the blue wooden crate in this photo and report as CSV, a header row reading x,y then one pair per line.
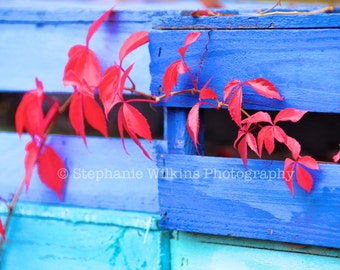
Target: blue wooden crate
x,y
177,221
300,55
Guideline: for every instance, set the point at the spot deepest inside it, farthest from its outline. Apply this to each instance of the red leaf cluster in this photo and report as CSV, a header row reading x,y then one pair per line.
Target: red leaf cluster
x,y
267,136
30,117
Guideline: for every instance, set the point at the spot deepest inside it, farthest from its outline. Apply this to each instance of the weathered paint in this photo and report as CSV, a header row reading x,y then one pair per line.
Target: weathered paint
x,y
60,237
219,196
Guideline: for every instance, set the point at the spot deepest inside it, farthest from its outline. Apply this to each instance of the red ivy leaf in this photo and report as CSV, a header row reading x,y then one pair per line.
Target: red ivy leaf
x,y
294,147
134,41
170,78
229,88
304,179
2,231
29,114
289,114
208,93
85,65
32,152
288,172
234,107
309,162
136,122
94,115
49,167
96,24
257,118
193,124
264,88
108,88
243,139
130,119
123,80
191,38
266,137
242,149
336,157
76,115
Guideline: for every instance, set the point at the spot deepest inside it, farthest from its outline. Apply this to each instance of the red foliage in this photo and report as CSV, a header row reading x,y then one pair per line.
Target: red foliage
x,y
30,117
84,74
170,77
301,167
193,124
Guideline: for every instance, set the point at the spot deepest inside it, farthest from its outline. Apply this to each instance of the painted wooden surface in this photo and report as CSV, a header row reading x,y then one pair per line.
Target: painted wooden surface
x,y
60,237
102,176
218,196
303,64
198,252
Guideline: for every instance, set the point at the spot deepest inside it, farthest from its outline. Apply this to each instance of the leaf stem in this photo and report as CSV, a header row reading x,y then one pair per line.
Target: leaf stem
x,y
322,10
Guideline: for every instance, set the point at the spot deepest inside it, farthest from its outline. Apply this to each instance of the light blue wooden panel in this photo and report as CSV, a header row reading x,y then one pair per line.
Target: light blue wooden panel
x,y
218,196
198,252
35,37
302,63
102,176
54,237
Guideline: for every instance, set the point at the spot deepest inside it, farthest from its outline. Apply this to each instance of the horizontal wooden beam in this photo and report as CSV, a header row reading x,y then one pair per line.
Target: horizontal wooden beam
x,y
301,63
54,237
102,176
219,196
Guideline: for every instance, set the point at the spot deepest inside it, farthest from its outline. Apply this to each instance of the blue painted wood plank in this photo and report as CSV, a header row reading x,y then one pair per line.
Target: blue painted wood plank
x,y
102,176
199,252
303,64
55,237
244,21
218,196
179,140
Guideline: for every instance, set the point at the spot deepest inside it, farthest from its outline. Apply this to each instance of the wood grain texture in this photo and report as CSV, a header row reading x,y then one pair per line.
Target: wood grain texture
x,y
247,22
303,64
55,237
198,252
218,196
102,176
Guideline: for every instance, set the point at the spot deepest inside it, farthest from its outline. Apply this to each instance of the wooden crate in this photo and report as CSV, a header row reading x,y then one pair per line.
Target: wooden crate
x,y
179,221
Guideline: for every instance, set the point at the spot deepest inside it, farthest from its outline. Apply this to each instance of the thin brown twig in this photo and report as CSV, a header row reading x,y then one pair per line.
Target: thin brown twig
x,y
322,10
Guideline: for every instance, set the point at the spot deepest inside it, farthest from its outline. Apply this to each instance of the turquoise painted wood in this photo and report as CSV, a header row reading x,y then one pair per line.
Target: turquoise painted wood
x,y
61,237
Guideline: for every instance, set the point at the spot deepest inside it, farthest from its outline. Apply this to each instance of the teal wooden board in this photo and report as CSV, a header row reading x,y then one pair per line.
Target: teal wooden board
x,y
302,63
219,196
54,237
102,176
198,252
